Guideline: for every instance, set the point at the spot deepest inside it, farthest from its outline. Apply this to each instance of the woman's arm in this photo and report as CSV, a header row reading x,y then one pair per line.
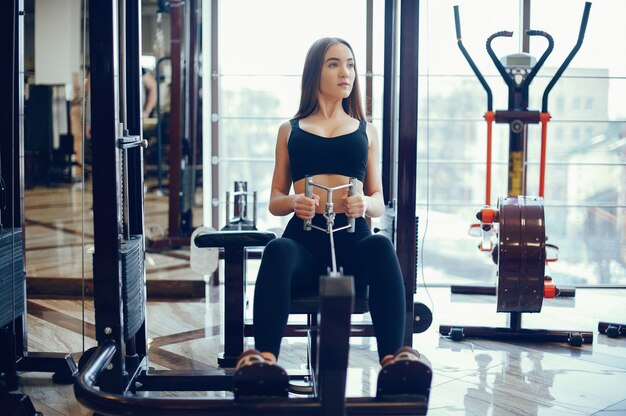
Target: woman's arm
x,y
281,203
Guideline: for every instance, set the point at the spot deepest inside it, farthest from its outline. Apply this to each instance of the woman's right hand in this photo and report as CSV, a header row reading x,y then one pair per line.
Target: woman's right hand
x,y
304,207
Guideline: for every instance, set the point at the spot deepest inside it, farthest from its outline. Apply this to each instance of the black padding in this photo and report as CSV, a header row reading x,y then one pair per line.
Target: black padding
x,y
234,239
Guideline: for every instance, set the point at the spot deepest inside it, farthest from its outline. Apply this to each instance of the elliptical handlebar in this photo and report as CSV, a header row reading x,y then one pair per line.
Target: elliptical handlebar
x,y
544,56
501,34
457,22
470,61
574,51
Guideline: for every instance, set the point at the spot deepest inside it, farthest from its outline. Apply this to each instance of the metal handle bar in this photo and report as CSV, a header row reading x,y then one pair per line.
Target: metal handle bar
x,y
308,192
559,72
470,61
544,56
506,34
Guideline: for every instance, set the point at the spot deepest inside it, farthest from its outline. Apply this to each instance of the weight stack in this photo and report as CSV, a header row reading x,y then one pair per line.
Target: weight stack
x,y
11,276
133,287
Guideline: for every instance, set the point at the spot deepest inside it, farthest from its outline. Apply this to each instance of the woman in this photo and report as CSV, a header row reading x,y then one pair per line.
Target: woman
x,y
330,140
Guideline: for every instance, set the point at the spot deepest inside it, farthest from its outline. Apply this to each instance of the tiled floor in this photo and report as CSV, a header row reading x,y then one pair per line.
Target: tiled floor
x,y
471,377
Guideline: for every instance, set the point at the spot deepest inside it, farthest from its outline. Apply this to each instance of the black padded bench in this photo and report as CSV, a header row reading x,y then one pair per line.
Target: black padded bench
x,y
235,245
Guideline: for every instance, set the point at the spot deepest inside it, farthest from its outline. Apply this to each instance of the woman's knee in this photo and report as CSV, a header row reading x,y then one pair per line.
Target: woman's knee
x,y
276,263
379,259
376,245
279,247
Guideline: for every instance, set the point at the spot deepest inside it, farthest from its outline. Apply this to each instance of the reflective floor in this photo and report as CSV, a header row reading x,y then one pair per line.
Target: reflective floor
x,y
471,377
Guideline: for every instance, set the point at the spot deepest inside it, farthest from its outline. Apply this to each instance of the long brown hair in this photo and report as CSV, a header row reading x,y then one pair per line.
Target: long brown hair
x,y
311,81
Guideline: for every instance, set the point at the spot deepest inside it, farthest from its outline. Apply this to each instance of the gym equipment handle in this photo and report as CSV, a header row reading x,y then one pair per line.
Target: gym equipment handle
x,y
308,192
470,61
559,72
351,192
544,56
506,34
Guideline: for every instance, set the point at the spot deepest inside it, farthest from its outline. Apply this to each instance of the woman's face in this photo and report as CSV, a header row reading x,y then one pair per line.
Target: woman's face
x,y
337,75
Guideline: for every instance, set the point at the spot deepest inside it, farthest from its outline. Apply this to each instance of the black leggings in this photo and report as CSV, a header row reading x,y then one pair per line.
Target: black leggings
x,y
291,265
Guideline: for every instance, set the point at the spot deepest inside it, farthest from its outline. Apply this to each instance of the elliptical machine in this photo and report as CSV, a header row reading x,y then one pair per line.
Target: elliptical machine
x,y
514,231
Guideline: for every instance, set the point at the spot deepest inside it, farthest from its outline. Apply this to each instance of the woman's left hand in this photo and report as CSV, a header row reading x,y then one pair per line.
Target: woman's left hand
x,y
355,205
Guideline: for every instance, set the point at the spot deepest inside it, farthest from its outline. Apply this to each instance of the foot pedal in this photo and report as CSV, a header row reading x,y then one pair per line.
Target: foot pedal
x,y
406,374
260,380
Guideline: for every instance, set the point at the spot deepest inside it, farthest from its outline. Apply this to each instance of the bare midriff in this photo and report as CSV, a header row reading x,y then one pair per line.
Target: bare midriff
x,y
329,181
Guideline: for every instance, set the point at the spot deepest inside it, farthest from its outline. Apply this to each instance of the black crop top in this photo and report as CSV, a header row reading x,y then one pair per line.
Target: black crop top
x,y
310,154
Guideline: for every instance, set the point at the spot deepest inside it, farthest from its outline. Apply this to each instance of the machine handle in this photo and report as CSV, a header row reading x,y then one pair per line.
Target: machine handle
x,y
308,192
470,61
559,72
502,34
457,22
544,56
351,192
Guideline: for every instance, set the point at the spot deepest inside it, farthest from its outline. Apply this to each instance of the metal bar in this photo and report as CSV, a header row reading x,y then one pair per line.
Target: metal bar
x,y
407,154
564,65
12,167
107,277
159,127
470,61
12,116
369,58
116,404
134,115
525,26
134,166
176,118
215,110
523,335
389,95
193,97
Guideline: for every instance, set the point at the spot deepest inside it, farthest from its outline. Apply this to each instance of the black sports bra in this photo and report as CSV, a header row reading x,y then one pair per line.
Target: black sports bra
x,y
310,154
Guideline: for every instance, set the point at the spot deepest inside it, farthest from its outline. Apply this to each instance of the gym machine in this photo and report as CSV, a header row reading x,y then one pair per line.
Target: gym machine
x,y
247,243
398,385
112,372
518,221
14,356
